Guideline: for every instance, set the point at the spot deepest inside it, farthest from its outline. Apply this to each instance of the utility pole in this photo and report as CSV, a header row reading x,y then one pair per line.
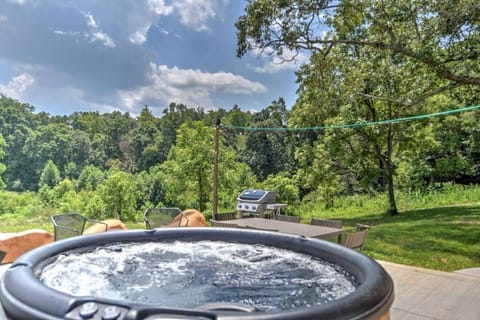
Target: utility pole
x,y
215,169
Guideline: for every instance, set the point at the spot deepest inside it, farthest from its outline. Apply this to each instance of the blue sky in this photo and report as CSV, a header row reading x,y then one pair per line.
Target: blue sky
x,y
63,56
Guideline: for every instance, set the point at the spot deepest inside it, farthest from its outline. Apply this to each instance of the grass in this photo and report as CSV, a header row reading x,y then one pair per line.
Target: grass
x,y
439,230
444,238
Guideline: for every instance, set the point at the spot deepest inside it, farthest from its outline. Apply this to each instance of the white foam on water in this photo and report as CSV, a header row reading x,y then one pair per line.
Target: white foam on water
x,y
188,274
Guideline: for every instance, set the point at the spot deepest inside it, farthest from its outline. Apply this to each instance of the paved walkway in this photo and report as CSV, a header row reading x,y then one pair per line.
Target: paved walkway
x,y
424,294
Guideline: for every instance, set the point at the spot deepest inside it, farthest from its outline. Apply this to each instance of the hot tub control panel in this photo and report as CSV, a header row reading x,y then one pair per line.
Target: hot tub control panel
x,y
96,310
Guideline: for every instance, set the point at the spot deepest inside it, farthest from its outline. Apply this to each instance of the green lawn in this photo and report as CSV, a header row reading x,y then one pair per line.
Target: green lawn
x,y
443,238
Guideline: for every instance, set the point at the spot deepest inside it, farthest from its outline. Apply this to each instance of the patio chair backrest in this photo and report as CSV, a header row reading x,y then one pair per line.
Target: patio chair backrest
x,y
68,225
160,217
282,217
225,216
215,223
355,240
327,223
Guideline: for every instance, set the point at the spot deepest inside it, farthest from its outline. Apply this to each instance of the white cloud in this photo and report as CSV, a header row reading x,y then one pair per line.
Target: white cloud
x,y
194,14
91,21
103,38
66,33
96,34
140,36
290,60
188,86
20,2
17,86
160,8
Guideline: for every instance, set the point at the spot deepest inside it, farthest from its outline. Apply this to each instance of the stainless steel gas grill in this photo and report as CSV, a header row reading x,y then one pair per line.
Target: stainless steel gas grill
x,y
256,202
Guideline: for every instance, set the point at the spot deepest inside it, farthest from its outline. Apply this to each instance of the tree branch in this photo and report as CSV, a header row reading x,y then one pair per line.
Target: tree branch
x,y
435,66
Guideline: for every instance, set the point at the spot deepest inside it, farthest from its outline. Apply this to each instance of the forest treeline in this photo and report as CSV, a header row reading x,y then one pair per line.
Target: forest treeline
x,y
368,61
114,164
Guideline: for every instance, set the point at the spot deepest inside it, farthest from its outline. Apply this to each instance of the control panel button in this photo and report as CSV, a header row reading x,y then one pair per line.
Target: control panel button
x,y
97,311
110,313
88,309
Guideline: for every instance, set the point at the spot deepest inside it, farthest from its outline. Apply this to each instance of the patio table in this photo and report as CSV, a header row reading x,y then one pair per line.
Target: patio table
x,y
301,229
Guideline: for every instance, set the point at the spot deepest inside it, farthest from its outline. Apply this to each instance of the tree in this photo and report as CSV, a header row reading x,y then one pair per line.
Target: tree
x,y
173,117
355,85
269,152
2,155
236,117
442,36
318,171
50,142
448,150
80,149
189,166
99,150
15,125
50,176
115,129
146,140
370,60
285,186
119,195
187,173
90,178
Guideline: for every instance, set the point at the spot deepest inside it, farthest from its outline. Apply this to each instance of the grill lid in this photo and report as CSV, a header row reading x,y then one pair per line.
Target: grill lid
x,y
252,194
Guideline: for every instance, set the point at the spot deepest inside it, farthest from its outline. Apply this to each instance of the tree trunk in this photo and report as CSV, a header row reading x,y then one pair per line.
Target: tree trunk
x,y
201,205
389,173
391,193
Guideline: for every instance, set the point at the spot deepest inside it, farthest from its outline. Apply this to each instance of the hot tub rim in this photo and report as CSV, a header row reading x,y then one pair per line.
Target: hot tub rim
x,y
371,298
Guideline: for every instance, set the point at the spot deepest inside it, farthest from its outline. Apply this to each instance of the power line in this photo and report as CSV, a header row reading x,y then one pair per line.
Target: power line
x,y
355,125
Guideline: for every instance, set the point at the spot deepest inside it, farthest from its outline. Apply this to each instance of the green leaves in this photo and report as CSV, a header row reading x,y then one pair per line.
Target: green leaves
x,y
119,196
50,176
2,166
441,36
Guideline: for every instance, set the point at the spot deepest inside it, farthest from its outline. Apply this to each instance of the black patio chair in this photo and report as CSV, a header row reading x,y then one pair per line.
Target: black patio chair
x,y
215,223
282,217
2,255
355,240
326,223
226,216
68,225
162,217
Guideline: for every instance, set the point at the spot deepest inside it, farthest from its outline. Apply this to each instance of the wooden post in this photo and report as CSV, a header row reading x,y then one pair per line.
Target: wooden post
x,y
215,169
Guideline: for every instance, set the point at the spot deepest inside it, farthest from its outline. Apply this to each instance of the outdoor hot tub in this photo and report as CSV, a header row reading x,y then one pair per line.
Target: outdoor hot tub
x,y
195,273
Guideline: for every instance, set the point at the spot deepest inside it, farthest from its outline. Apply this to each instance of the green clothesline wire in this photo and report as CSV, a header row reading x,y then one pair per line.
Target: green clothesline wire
x,y
355,125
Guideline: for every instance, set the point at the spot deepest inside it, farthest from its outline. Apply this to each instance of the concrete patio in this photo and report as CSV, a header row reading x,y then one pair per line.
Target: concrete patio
x,y
422,294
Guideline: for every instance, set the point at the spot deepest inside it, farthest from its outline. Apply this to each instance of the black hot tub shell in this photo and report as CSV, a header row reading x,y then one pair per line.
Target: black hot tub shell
x,y
24,296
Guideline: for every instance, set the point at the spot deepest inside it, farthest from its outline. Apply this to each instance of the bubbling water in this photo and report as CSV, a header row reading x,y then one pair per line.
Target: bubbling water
x,y
189,274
